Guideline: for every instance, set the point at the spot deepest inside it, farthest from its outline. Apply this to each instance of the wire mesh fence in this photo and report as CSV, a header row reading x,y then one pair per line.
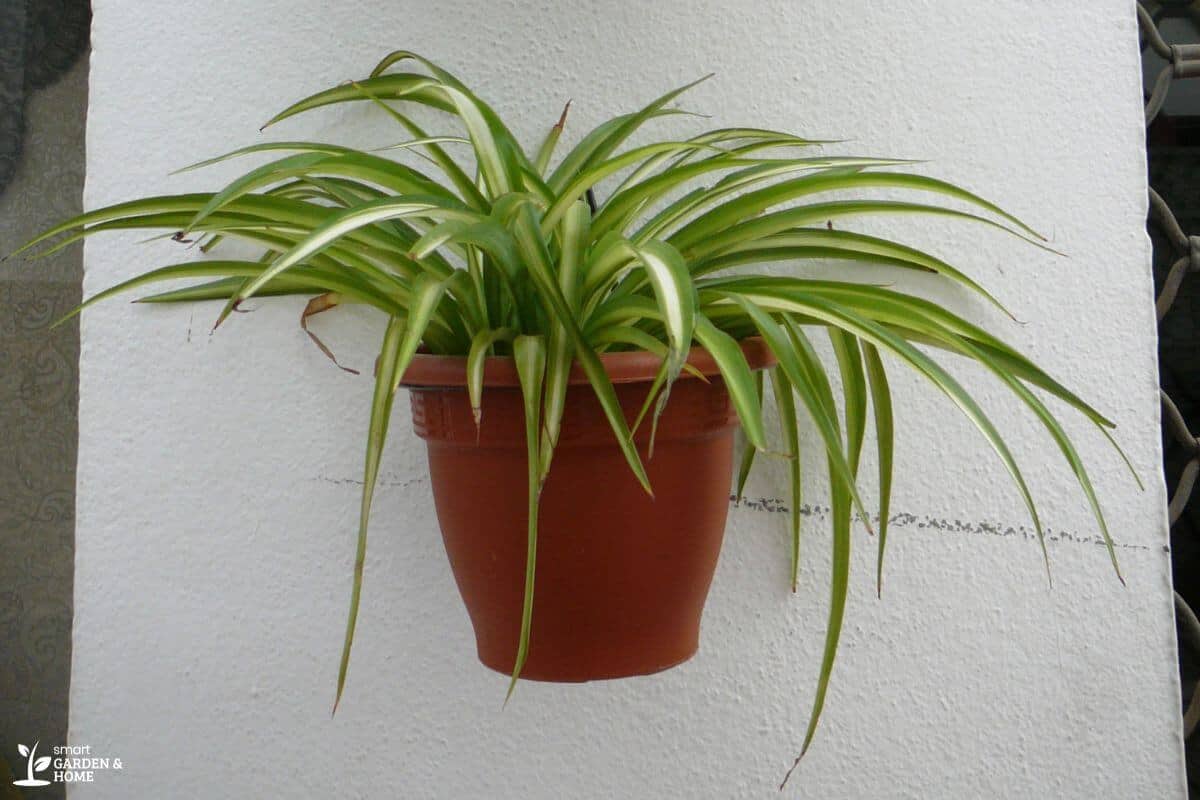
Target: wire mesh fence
x,y
1177,256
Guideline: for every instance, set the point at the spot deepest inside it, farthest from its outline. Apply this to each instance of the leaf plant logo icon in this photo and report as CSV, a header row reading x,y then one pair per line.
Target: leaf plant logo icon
x,y
33,764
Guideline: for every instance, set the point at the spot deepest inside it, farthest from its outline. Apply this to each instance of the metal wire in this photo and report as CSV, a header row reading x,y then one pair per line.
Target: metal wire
x,y
1191,629
1183,63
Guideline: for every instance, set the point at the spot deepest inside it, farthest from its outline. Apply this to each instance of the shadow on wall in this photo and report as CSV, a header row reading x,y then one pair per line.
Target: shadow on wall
x,y
43,105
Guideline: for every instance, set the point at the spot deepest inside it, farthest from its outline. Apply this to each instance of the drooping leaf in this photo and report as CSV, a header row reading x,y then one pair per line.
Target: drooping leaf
x,y
854,393
749,451
480,345
381,408
529,352
785,403
881,404
400,343
839,587
871,332
739,378
804,379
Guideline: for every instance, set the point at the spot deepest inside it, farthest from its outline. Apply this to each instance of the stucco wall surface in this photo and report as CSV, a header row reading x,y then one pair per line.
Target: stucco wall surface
x,y
217,474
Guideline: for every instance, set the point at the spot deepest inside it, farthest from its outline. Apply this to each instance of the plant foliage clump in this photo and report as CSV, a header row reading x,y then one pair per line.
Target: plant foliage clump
x,y
496,250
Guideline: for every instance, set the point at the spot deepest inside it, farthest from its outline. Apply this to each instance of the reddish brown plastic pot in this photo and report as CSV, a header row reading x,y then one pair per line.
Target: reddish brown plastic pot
x,y
621,577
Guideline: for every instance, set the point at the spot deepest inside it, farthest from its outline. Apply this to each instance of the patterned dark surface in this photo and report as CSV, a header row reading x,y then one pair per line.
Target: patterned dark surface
x,y
37,504
12,87
38,383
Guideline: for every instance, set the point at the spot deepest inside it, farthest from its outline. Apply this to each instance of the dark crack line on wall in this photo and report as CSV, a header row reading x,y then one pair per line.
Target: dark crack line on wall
x,y
775,505
381,482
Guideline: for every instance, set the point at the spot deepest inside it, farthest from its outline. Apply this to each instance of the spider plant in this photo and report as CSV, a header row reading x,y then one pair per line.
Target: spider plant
x,y
496,250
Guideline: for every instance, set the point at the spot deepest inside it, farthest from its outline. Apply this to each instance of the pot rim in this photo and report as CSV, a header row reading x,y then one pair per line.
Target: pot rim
x,y
434,371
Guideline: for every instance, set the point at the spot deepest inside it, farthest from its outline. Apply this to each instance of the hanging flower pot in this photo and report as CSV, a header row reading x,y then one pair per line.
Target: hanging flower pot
x,y
621,575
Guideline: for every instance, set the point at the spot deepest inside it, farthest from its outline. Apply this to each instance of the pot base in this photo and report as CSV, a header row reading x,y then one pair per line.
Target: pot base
x,y
504,666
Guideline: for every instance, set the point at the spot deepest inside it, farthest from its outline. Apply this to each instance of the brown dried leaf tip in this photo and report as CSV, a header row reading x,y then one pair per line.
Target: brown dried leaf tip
x,y
323,302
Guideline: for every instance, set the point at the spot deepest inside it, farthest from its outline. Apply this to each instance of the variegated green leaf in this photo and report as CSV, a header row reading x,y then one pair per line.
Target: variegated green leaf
x,y
481,345
749,451
785,404
529,352
881,403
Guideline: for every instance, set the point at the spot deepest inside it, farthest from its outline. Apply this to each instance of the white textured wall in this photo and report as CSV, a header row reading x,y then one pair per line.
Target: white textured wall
x,y
216,477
